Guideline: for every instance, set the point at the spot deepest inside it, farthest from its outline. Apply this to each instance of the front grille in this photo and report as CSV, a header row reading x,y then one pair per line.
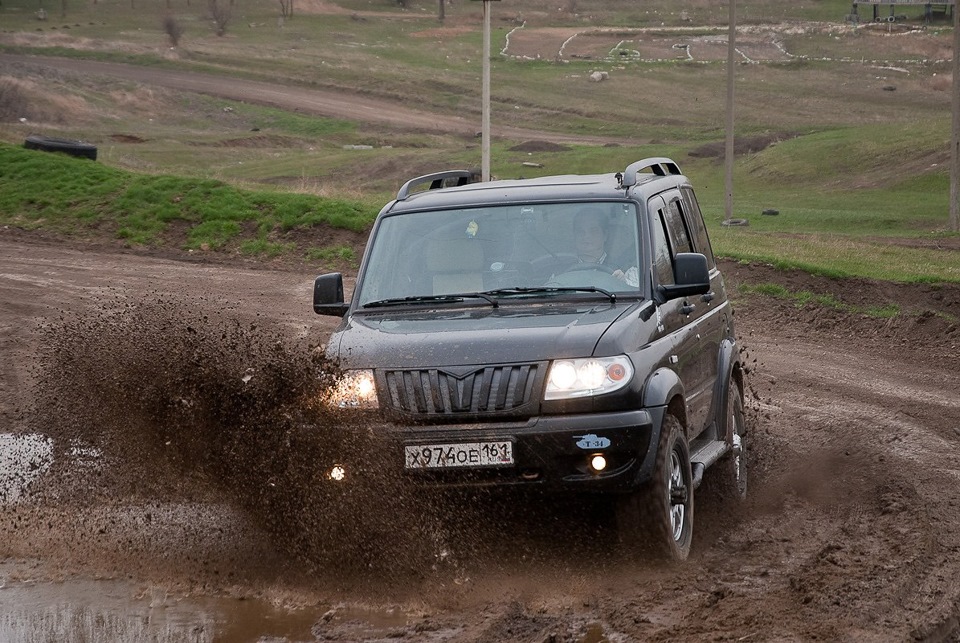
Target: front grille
x,y
490,389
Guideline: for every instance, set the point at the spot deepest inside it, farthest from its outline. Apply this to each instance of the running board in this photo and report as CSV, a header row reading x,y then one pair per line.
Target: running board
x,y
703,453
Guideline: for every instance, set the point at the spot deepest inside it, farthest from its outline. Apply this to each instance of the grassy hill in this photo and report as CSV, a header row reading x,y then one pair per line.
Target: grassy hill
x,y
842,128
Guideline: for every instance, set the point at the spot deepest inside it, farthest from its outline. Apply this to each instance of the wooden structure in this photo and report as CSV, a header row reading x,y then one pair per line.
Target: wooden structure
x,y
931,9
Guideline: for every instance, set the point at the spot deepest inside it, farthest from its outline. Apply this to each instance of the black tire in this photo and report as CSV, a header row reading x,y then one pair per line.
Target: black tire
x,y
659,516
64,145
731,470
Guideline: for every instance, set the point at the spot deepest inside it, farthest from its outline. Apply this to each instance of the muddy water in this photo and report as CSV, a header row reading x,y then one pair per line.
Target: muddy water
x,y
169,483
110,610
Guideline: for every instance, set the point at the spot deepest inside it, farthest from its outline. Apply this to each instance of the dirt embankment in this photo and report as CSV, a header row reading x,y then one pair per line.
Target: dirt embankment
x,y
197,373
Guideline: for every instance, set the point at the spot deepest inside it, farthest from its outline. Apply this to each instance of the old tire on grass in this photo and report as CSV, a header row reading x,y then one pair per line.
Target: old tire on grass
x,y
64,145
659,516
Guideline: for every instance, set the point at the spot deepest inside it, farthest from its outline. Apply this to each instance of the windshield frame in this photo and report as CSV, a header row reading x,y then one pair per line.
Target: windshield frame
x,y
500,242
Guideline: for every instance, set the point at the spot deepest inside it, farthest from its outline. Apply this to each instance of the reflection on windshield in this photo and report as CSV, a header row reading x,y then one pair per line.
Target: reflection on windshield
x,y
557,246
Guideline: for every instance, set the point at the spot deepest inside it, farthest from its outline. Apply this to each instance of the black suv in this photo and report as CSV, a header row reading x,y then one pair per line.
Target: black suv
x,y
569,333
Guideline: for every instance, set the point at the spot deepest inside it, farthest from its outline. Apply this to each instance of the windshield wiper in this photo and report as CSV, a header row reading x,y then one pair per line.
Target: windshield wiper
x,y
444,299
522,290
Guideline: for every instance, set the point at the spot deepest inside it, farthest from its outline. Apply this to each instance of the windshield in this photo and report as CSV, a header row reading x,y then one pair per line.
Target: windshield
x,y
560,247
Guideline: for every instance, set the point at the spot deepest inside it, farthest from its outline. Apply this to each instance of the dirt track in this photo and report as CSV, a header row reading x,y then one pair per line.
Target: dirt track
x,y
334,103
852,531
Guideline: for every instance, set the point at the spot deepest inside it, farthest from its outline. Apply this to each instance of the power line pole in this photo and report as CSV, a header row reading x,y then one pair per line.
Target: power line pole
x,y
955,138
485,107
485,127
728,160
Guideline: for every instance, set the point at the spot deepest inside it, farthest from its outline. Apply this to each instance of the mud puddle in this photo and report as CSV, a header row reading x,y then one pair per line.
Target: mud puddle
x,y
173,444
114,610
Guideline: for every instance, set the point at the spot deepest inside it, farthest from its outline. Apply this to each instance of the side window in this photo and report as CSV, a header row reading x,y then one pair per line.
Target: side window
x,y
679,238
662,259
697,227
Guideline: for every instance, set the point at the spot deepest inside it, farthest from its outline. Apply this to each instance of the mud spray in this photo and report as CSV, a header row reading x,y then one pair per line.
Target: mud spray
x,y
173,402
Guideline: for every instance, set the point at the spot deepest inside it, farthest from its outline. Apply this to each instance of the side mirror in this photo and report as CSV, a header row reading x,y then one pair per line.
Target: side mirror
x,y
328,295
692,277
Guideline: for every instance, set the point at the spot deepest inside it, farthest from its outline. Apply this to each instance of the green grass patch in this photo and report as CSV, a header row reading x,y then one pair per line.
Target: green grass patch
x,y
839,257
800,298
68,194
804,298
332,254
264,248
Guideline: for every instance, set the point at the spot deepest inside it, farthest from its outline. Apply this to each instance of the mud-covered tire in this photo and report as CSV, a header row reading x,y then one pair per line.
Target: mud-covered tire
x,y
64,145
658,518
732,469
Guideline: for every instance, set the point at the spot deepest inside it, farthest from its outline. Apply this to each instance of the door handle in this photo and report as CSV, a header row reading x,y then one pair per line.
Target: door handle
x,y
687,308
708,296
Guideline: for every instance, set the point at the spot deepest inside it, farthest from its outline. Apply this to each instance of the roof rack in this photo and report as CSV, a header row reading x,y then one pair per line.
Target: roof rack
x,y
436,181
659,165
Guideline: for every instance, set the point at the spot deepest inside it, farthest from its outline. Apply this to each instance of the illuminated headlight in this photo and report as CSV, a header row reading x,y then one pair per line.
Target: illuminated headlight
x,y
588,376
354,389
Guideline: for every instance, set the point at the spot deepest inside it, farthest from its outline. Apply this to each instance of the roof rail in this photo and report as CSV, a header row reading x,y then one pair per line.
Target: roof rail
x,y
661,166
435,180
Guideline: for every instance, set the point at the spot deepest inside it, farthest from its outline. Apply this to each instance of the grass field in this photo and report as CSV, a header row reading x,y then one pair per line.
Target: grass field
x,y
846,134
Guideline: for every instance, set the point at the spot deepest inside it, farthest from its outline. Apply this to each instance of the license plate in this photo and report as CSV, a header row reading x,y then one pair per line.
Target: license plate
x,y
471,454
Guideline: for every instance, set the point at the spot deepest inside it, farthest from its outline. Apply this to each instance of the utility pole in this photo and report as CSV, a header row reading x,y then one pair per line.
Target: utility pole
x,y
955,138
485,127
728,156
485,107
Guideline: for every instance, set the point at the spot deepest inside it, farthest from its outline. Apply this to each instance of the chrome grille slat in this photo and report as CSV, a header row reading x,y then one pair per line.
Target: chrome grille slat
x,y
490,389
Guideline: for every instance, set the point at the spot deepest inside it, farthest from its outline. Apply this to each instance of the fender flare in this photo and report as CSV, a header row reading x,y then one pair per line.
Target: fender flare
x,y
728,367
661,387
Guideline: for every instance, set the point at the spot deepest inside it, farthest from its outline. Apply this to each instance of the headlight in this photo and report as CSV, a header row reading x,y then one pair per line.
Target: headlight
x,y
587,376
354,389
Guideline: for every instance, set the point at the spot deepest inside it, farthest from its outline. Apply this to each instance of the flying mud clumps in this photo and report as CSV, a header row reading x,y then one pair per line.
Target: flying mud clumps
x,y
187,402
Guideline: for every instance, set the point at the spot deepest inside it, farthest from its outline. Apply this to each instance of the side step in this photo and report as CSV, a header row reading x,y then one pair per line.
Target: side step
x,y
703,453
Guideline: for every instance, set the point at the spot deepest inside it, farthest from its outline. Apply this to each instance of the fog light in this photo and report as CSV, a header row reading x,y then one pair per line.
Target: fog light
x,y
598,463
337,473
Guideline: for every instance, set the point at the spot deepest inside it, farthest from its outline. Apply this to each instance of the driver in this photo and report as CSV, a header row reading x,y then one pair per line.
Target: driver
x,y
590,232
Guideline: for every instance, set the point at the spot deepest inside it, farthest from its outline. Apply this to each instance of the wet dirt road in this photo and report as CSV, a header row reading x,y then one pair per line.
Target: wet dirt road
x,y
144,496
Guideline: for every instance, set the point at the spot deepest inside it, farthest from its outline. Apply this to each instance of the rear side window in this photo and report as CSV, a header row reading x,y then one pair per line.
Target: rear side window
x,y
697,227
662,259
677,228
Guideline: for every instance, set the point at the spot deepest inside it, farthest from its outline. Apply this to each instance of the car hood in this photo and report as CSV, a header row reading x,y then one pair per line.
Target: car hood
x,y
476,335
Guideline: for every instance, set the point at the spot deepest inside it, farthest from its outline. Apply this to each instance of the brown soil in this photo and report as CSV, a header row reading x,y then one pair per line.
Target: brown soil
x,y
332,102
851,532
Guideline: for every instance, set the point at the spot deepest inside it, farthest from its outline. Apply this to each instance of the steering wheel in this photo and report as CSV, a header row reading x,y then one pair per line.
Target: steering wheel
x,y
591,266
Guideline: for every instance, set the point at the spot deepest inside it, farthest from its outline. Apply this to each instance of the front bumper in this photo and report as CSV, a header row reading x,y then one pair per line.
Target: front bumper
x,y
545,451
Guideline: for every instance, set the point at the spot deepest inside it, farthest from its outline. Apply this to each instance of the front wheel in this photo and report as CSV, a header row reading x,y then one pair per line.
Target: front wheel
x,y
659,517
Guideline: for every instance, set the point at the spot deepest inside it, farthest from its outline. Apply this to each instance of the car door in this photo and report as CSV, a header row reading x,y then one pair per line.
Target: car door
x,y
696,339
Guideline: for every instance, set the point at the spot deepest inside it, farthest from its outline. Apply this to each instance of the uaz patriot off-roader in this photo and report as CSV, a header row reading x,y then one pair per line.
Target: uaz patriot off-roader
x,y
569,333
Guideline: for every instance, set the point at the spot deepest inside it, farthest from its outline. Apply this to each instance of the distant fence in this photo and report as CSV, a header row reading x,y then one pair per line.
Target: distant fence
x,y
931,8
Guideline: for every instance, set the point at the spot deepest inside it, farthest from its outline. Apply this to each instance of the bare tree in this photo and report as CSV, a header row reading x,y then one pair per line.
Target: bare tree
x,y
173,29
286,9
220,16
441,10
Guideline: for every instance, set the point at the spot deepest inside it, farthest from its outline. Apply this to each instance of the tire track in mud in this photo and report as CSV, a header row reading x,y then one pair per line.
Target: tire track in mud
x,y
204,479
876,458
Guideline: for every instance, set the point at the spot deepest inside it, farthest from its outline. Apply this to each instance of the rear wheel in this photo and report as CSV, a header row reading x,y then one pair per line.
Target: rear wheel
x,y
731,471
659,517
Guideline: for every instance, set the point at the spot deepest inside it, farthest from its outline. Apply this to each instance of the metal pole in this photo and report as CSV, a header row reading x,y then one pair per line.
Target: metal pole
x,y
728,156
955,138
485,128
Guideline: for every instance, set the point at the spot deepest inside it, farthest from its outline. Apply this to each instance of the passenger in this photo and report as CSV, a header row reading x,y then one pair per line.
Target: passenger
x,y
590,229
